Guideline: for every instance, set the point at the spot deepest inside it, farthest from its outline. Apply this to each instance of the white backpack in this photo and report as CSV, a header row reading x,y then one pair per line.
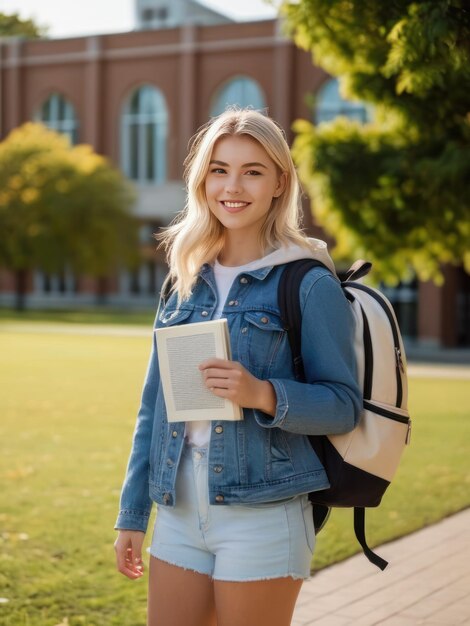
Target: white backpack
x,y
360,464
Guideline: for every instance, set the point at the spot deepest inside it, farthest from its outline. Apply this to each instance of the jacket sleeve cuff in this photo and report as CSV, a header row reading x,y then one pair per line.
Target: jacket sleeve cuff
x,y
282,406
129,519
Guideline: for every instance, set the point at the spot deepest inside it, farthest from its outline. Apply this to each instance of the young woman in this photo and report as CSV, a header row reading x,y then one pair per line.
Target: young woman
x,y
234,535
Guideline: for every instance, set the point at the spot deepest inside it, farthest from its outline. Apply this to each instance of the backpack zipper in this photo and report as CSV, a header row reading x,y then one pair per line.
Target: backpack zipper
x,y
390,415
399,367
399,360
384,413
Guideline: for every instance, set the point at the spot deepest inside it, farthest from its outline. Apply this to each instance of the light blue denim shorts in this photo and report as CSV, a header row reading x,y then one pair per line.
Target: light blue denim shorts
x,y
232,542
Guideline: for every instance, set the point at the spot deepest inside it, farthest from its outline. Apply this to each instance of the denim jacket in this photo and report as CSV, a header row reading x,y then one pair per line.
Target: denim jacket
x,y
260,458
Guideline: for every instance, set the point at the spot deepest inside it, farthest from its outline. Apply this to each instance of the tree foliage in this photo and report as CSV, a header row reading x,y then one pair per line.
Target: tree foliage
x,y
395,190
62,206
13,26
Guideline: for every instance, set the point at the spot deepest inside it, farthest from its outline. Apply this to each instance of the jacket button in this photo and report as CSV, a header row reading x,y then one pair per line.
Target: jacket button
x,y
169,462
219,429
244,330
166,498
218,468
233,303
219,498
174,434
243,280
265,320
204,313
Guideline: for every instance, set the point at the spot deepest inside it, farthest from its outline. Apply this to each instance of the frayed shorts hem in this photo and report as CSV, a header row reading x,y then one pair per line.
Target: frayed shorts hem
x,y
245,579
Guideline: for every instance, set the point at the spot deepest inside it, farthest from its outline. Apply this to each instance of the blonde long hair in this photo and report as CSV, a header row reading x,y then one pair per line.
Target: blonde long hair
x,y
196,236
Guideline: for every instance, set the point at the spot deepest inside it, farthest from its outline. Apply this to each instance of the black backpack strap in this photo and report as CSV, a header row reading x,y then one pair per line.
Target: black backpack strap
x,y
358,269
321,513
289,306
360,530
291,315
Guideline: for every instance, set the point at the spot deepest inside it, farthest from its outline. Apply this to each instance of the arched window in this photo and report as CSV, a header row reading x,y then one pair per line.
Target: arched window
x,y
331,104
59,114
242,91
144,130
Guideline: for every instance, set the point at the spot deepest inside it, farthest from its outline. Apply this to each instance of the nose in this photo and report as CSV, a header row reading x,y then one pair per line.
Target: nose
x,y
233,185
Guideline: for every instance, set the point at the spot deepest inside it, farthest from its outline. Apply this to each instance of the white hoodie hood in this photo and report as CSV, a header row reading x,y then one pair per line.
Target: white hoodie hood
x,y
317,250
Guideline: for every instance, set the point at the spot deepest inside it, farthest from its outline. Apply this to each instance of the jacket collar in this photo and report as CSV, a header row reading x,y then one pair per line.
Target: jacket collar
x,y
207,273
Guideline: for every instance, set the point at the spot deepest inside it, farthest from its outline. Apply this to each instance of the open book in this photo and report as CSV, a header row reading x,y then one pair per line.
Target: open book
x,y
180,351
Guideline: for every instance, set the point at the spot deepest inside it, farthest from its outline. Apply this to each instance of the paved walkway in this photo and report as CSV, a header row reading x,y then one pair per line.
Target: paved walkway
x,y
427,581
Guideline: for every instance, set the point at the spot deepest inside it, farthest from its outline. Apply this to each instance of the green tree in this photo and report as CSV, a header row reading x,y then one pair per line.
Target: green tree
x,y
395,190
61,206
13,26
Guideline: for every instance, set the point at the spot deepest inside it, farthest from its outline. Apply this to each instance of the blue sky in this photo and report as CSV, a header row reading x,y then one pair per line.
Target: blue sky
x,y
67,18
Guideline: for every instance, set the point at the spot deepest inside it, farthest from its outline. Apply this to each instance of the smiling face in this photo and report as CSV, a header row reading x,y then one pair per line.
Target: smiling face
x,y
240,184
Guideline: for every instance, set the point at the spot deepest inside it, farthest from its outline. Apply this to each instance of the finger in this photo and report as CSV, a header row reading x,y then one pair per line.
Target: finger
x,y
228,394
124,566
137,559
217,386
215,372
220,383
130,573
134,560
214,362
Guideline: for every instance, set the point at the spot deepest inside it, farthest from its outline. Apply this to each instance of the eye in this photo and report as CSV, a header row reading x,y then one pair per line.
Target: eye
x,y
217,170
254,173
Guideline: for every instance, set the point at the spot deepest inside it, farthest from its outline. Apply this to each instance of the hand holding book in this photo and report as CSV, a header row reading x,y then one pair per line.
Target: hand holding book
x,y
199,379
229,379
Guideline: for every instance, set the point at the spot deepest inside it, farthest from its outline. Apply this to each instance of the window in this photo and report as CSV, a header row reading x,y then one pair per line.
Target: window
x,y
155,15
63,282
58,114
404,299
146,234
143,280
144,129
331,104
147,15
242,91
162,13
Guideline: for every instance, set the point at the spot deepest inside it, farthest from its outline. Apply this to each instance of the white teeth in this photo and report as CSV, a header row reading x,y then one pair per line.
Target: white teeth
x,y
235,205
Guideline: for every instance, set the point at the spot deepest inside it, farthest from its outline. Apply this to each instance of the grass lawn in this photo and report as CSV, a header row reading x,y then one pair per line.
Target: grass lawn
x,y
96,315
68,406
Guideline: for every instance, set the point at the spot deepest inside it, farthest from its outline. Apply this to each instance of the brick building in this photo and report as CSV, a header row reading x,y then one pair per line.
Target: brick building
x,y
138,97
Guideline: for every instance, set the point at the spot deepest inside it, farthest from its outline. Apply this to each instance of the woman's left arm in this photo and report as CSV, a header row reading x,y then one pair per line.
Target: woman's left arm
x,y
330,400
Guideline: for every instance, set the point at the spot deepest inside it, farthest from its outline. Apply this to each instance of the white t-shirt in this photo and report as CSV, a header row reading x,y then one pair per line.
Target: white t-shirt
x,y
198,433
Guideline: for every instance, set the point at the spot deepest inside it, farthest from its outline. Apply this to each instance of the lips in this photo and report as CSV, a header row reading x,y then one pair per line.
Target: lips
x,y
234,207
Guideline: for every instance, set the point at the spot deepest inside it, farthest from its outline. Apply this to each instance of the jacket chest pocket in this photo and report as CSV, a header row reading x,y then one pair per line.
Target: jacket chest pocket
x,y
260,339
172,317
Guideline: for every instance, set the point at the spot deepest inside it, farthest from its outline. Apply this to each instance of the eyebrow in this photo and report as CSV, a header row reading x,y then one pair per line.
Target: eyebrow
x,y
254,164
